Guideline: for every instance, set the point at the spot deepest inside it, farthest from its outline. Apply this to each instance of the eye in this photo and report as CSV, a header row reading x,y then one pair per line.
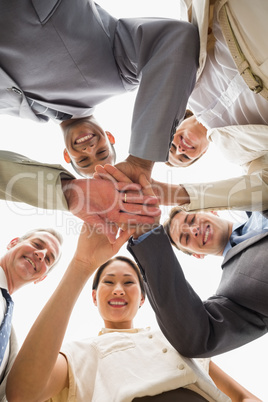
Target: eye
x,y
193,220
185,156
81,161
47,259
129,283
173,147
108,282
187,239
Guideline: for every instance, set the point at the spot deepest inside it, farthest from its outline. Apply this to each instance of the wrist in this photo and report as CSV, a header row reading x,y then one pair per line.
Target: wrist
x,y
139,162
66,186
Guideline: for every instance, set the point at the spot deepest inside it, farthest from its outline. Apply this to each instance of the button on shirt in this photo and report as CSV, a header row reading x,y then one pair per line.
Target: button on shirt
x,y
254,226
3,306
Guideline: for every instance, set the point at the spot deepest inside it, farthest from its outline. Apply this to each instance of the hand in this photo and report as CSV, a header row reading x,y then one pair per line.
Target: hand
x,y
147,190
94,249
101,204
133,167
109,172
166,193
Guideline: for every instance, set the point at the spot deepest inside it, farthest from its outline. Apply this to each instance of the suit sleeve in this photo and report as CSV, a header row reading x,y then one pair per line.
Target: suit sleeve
x,y
195,328
163,55
26,180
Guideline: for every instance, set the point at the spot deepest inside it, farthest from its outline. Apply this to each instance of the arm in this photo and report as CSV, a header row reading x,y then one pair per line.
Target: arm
x,y
247,193
229,386
39,371
96,202
166,67
193,327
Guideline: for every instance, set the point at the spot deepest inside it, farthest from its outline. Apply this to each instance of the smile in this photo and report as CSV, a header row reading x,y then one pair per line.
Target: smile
x,y
117,303
84,138
207,232
31,262
185,144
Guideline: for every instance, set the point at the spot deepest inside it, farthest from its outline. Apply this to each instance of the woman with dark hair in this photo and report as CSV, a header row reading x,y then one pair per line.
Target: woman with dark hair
x,y
123,363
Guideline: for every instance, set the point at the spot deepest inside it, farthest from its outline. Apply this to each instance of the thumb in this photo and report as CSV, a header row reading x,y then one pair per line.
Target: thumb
x,y
124,235
146,185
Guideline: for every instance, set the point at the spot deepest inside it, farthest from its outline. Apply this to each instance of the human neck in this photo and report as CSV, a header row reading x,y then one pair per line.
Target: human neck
x,y
4,266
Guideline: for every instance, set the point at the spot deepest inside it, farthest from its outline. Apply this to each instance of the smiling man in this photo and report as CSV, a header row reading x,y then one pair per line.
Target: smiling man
x,y
237,311
87,145
198,233
28,259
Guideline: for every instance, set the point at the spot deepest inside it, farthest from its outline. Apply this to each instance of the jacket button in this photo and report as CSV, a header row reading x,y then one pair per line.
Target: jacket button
x,y
181,366
164,350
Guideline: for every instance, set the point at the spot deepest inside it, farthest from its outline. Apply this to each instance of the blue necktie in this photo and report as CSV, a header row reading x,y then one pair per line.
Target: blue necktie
x,y
5,327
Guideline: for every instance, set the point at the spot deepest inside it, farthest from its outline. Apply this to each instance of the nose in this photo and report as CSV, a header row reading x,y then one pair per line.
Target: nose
x,y
89,149
180,149
118,290
194,229
40,254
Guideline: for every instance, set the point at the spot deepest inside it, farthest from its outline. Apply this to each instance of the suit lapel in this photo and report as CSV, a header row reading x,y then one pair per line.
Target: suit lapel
x,y
242,246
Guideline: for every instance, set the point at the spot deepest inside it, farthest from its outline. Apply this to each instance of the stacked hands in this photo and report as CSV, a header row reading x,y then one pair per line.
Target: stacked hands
x,y
115,200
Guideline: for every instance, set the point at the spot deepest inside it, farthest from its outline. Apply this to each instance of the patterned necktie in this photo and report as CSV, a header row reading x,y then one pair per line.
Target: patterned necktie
x,y
47,113
5,327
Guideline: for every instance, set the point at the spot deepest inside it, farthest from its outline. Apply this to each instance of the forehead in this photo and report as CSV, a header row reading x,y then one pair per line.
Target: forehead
x,y
119,268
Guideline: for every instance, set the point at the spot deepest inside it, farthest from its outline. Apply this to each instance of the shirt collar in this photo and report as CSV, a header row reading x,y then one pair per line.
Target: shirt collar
x,y
131,330
3,279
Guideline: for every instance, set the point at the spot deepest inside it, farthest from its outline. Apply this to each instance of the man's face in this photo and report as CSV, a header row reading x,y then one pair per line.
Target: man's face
x,y
189,143
87,145
200,233
30,259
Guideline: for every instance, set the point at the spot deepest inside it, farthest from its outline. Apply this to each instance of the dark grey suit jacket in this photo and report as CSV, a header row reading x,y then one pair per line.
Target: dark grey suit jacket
x,y
71,55
234,316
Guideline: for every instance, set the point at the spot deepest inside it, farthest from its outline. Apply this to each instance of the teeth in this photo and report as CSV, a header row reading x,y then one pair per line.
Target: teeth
x,y
117,303
206,235
185,143
83,139
30,261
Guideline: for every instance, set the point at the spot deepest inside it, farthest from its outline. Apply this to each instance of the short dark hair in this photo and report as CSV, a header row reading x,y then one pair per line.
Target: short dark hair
x,y
97,276
188,113
166,225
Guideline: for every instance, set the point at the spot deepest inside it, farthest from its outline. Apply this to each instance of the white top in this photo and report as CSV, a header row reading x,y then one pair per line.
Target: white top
x,y
119,366
221,97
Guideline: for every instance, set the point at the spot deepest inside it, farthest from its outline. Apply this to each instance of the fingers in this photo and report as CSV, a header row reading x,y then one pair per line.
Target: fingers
x,y
101,173
117,174
132,220
123,237
136,198
121,186
146,185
